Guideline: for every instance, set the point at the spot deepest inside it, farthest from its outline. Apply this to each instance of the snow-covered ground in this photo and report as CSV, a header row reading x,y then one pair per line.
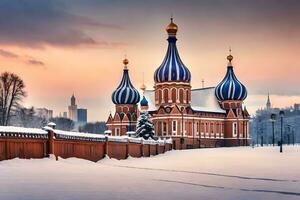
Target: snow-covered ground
x,y
223,173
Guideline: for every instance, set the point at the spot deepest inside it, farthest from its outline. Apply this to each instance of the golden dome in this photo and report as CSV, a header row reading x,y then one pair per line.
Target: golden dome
x,y
229,57
125,62
172,28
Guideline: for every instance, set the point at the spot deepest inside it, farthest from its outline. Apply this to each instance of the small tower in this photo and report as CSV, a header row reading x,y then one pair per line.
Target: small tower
x,y
125,97
231,93
172,78
268,104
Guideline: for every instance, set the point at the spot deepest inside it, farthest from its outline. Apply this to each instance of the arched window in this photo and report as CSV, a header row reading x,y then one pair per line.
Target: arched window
x,y
166,95
181,95
187,96
174,96
159,96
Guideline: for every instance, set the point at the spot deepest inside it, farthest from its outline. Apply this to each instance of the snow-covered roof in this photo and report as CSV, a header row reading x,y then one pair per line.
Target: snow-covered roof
x,y
51,124
78,136
203,99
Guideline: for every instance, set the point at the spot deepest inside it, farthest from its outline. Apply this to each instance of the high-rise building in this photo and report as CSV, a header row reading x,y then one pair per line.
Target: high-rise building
x,y
73,109
82,115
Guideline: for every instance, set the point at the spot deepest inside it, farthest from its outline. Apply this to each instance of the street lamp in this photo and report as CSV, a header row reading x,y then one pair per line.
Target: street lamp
x,y
281,113
273,119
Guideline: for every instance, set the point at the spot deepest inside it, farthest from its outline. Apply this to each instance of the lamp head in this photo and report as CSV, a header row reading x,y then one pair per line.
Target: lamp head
x,y
281,113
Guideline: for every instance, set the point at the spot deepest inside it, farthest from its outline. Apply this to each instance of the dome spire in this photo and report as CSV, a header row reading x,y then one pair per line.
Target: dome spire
x,y
229,57
125,62
172,28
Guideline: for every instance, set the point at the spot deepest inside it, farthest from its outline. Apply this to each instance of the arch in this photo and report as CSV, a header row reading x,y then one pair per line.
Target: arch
x,y
187,96
166,95
181,95
174,95
159,96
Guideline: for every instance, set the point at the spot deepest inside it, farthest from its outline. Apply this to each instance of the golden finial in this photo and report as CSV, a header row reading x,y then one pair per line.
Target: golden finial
x,y
229,57
143,86
172,28
125,62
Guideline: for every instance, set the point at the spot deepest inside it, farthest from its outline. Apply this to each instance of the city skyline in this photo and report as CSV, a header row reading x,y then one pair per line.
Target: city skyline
x,y
93,43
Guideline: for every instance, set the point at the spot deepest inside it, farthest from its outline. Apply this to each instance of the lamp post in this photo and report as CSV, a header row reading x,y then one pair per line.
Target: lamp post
x,y
273,119
281,113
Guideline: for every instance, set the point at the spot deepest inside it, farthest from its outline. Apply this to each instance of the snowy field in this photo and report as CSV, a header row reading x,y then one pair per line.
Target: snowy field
x,y
203,174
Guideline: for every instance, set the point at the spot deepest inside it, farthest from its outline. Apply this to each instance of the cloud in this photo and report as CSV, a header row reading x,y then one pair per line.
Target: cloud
x,y
35,62
8,54
25,59
37,23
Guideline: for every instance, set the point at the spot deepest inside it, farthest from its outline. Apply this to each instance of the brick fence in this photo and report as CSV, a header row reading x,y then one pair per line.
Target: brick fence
x,y
38,143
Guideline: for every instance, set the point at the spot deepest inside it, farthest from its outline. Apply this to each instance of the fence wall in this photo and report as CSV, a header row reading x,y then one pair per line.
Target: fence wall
x,y
66,147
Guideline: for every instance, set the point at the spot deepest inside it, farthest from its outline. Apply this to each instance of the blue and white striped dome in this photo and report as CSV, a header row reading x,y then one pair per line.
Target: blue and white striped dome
x,y
172,69
125,93
230,87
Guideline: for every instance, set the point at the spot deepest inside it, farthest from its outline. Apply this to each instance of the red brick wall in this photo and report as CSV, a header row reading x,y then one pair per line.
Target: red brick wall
x,y
135,150
153,150
22,148
117,150
146,150
93,151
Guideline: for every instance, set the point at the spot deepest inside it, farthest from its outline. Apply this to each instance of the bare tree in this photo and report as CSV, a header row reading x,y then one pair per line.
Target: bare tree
x,y
11,95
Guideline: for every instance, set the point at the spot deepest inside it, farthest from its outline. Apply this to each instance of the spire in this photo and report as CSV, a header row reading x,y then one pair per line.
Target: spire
x,y
143,86
268,102
229,57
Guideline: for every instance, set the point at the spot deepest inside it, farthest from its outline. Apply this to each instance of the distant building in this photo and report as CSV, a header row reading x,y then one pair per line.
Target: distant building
x,y
268,105
73,109
44,113
261,126
82,115
65,115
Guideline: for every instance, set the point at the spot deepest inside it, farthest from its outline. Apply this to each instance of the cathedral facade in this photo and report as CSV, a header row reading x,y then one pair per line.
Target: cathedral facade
x,y
193,118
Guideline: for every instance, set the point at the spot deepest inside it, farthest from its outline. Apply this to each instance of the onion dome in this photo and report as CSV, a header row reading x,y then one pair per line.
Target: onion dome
x,y
125,92
144,101
230,87
172,69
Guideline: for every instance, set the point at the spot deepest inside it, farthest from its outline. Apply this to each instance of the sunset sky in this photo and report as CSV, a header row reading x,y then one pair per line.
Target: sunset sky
x,y
63,46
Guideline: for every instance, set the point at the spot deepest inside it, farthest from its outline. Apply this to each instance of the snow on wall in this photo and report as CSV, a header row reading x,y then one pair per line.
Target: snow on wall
x,y
78,136
13,131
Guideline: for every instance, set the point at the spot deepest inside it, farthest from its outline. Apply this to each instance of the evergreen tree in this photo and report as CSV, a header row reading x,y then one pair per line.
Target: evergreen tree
x,y
145,128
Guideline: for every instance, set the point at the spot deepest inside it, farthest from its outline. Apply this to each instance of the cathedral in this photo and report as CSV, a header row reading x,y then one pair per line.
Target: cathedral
x,y
192,117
